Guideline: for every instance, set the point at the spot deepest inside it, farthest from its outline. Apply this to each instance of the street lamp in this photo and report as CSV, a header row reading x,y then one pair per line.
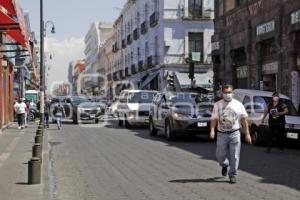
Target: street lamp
x,y
43,27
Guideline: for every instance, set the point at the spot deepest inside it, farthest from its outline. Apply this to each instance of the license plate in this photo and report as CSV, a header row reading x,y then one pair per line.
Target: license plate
x,y
292,135
146,120
92,116
202,124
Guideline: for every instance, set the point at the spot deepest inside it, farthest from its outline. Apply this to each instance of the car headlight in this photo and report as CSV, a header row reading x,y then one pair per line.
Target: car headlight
x,y
181,115
132,113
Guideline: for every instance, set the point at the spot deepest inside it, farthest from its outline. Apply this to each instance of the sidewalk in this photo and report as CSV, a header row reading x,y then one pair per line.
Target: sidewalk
x,y
15,152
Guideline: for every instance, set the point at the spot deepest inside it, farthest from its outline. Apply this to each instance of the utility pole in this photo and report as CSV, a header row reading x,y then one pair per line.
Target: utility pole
x,y
42,68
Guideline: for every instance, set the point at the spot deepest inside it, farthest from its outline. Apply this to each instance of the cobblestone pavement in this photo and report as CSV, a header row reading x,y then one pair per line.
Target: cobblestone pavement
x,y
113,163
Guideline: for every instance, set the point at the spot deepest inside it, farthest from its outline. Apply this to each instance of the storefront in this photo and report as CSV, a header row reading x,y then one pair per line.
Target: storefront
x,y
12,34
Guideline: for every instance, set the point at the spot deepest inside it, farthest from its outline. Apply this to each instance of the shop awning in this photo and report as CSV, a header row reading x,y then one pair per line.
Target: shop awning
x,y
13,23
149,79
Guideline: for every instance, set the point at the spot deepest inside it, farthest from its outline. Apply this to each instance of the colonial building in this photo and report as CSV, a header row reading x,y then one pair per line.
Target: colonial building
x,y
257,45
153,38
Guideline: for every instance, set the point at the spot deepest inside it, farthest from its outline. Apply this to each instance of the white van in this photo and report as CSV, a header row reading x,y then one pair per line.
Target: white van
x,y
255,102
134,107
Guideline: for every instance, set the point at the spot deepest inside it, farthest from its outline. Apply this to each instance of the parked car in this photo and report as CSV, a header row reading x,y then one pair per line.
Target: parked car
x,y
81,108
134,106
180,113
255,102
112,109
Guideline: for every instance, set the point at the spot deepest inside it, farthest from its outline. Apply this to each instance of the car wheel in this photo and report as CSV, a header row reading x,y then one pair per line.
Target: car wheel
x,y
152,129
31,117
127,125
75,120
255,136
168,131
120,123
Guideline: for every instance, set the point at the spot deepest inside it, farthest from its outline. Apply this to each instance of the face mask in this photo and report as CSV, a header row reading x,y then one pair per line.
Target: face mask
x,y
228,97
276,99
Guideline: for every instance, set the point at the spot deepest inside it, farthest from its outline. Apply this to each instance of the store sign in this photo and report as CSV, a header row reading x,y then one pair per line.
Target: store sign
x,y
242,72
295,17
215,46
270,68
265,28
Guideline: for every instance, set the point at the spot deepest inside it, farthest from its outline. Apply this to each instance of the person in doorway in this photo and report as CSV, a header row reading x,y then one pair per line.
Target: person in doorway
x,y
59,112
276,111
227,117
20,109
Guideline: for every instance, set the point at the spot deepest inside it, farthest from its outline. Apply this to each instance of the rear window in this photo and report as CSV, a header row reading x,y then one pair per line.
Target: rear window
x,y
261,103
141,97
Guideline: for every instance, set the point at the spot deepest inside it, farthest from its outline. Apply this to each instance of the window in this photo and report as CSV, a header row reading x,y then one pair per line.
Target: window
x,y
196,44
146,11
146,50
138,54
221,8
247,104
259,104
138,19
239,2
156,5
195,8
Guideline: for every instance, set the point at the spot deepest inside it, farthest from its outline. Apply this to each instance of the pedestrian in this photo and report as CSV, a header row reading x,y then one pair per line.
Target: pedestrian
x,y
276,111
59,112
27,112
46,113
20,109
227,117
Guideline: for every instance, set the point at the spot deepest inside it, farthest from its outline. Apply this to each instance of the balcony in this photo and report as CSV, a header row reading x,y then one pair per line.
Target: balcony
x,y
136,34
123,43
141,65
193,14
144,28
154,19
129,39
133,70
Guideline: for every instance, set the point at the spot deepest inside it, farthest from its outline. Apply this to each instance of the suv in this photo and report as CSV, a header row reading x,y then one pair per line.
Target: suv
x,y
255,102
180,112
133,107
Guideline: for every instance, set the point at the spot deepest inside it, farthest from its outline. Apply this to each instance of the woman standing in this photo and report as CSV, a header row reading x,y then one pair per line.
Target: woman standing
x,y
276,111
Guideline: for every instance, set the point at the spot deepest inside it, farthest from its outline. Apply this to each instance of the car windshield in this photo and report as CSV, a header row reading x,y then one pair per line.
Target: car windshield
x,y
185,98
261,103
80,100
141,97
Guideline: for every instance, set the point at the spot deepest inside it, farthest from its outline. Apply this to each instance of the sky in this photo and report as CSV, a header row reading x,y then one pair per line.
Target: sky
x,y
72,19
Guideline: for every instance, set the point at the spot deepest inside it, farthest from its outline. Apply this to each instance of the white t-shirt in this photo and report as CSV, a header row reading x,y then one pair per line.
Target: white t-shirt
x,y
20,107
229,115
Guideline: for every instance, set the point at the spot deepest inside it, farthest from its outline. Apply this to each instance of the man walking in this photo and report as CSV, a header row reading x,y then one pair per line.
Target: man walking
x,y
20,109
228,115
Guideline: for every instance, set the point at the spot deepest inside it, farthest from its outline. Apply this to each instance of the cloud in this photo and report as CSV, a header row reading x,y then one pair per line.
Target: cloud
x,y
63,52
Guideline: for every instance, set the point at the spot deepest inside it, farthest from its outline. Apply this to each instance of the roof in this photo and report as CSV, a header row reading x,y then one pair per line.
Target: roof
x,y
258,93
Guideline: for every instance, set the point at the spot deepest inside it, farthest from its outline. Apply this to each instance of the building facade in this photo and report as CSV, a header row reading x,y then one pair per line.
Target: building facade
x,y
257,45
154,37
14,44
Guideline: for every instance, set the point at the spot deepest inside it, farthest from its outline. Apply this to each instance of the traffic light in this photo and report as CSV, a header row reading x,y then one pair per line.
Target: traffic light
x,y
191,70
171,80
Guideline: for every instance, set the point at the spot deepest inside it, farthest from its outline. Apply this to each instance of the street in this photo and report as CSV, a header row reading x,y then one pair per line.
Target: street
x,y
113,163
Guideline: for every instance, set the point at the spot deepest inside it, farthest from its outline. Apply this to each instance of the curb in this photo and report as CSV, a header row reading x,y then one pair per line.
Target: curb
x,y
45,168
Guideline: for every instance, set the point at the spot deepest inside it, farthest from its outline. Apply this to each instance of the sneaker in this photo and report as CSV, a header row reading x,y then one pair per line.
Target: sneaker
x,y
232,179
19,127
224,171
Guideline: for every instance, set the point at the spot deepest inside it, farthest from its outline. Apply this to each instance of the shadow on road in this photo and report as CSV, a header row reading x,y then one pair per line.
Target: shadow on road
x,y
274,168
208,180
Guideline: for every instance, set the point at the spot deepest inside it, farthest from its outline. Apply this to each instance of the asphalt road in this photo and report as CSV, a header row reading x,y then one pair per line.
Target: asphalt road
x,y
113,163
